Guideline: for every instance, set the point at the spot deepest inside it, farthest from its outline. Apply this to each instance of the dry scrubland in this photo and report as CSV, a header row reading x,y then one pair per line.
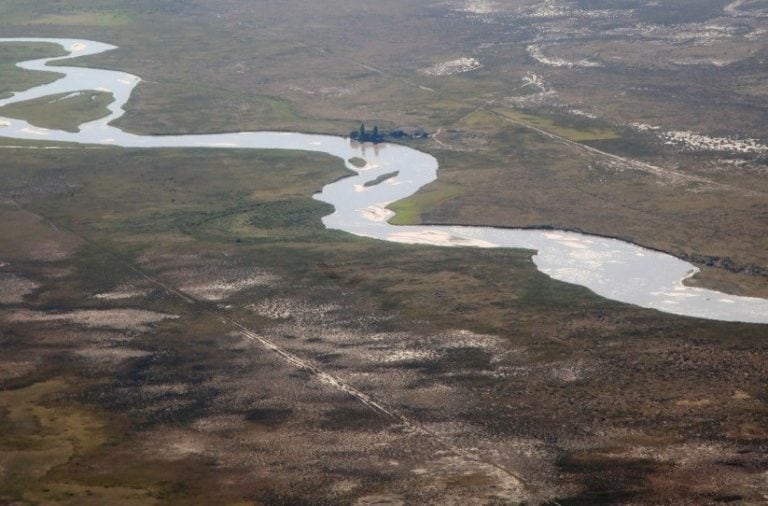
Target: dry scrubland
x,y
176,326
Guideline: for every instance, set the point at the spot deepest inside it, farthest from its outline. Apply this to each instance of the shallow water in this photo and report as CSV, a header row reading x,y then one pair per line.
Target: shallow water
x,y
611,268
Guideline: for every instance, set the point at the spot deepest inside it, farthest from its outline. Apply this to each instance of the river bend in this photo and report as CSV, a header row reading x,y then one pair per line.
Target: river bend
x,y
609,267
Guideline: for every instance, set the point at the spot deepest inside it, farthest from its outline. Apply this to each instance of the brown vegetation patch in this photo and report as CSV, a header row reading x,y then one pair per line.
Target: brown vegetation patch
x,y
211,278
110,356
15,369
29,236
138,320
13,288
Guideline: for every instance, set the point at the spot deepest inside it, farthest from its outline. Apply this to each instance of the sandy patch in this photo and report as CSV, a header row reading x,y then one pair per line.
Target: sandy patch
x,y
468,339
741,395
379,500
692,141
284,308
537,53
377,213
457,66
437,238
644,127
565,238
714,62
219,423
407,356
694,403
13,288
219,290
479,7
583,114
212,278
680,454
542,93
74,94
571,372
549,97
122,292
110,356
346,486
534,80
697,142
472,482
175,445
121,295
36,131
120,319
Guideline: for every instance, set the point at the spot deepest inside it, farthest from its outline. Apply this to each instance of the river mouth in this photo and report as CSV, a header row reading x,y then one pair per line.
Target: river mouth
x,y
611,268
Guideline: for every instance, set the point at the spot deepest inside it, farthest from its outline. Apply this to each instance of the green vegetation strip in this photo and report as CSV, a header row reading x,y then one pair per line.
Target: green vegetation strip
x,y
382,178
409,211
560,126
13,78
66,111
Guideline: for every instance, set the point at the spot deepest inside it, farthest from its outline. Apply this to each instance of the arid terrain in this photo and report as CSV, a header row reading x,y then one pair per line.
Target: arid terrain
x,y
177,327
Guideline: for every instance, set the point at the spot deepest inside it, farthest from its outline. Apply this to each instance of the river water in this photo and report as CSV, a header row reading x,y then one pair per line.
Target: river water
x,y
611,268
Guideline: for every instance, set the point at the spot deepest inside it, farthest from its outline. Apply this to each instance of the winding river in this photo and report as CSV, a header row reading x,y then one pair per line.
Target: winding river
x,y
611,268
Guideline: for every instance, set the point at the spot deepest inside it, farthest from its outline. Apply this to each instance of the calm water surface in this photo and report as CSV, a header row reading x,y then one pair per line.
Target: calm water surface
x,y
611,268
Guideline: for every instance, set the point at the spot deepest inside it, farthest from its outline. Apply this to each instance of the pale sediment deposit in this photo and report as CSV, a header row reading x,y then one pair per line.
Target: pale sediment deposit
x,y
458,66
119,319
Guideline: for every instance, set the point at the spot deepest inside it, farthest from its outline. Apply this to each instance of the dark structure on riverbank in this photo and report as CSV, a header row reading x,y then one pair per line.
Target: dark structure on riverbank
x,y
363,135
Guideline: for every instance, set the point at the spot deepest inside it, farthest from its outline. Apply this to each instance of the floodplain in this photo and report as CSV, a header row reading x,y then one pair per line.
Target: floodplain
x,y
139,288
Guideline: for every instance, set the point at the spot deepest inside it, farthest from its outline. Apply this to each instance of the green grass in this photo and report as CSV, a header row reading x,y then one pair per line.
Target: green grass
x,y
65,13
409,211
171,102
63,111
84,18
14,79
358,162
557,126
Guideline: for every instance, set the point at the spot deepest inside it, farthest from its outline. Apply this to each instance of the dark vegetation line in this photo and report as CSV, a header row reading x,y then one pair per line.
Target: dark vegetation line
x,y
381,179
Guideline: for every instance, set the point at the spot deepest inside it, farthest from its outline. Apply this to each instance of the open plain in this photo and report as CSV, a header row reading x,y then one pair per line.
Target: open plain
x,y
177,327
